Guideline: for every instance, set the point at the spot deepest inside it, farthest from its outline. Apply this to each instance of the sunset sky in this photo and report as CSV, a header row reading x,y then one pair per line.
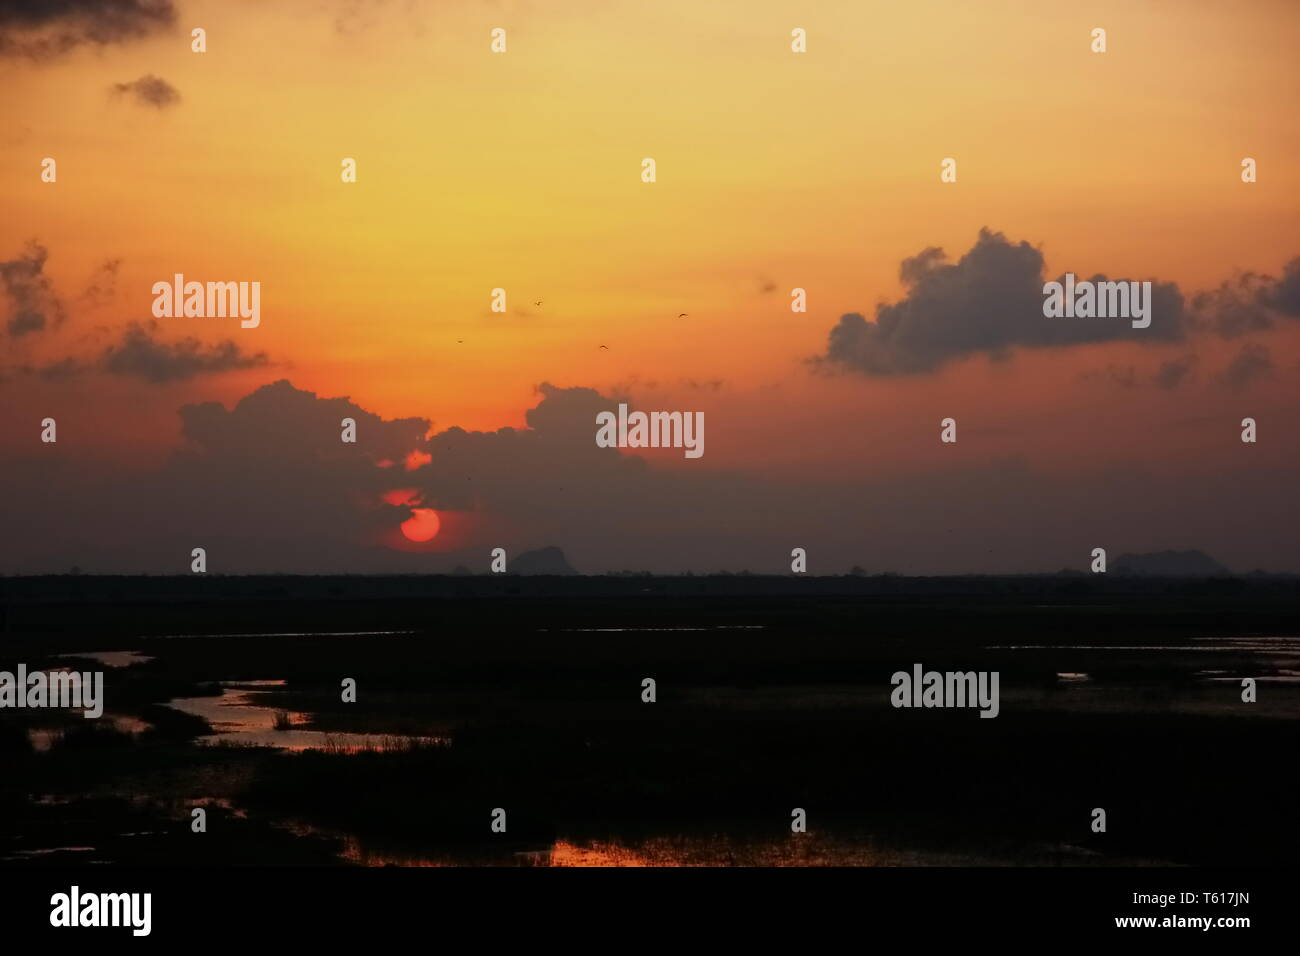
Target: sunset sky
x,y
522,170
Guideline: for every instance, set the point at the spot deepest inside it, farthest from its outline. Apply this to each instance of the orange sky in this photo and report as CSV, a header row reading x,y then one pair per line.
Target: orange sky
x,y
522,170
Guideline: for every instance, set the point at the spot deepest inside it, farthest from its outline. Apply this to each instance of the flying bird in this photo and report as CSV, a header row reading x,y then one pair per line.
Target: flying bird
x,y
604,346
681,315
538,302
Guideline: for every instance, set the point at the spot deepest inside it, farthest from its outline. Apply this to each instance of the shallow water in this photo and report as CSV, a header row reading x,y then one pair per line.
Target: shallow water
x,y
238,719
113,659
44,738
704,848
1274,646
154,637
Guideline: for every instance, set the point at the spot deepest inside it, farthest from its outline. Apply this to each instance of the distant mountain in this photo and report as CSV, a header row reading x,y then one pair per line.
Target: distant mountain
x,y
1170,564
548,560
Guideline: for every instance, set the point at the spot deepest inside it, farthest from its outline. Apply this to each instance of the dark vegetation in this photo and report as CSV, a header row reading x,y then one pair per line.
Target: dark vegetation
x,y
546,718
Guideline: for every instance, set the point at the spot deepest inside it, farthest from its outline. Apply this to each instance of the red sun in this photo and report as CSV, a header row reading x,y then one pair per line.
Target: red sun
x,y
423,525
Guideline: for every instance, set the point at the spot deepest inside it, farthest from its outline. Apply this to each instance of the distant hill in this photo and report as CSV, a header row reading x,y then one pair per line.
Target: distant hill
x,y
1170,564
548,560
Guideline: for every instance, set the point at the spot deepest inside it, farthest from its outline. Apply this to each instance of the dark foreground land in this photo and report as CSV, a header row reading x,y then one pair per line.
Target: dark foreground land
x,y
772,693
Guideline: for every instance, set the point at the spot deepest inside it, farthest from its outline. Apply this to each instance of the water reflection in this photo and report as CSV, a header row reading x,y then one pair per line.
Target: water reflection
x,y
1284,646
112,659
237,718
44,738
714,849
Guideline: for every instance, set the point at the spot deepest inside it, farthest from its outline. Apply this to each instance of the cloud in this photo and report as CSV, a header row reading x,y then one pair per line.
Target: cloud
x,y
1124,375
1253,362
267,485
139,355
354,17
149,90
63,370
1284,294
103,284
1175,372
276,487
35,306
41,29
1168,376
283,422
1248,303
1237,307
517,471
989,301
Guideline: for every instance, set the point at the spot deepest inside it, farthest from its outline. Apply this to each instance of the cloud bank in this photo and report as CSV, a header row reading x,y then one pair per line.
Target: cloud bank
x,y
43,29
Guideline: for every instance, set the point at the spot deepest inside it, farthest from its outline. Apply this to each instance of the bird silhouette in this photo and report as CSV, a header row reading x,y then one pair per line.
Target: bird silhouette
x,y
681,315
604,346
538,302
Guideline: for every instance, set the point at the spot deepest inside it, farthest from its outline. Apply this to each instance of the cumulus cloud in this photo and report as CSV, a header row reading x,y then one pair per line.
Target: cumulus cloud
x,y
41,29
140,355
1250,302
1284,294
519,470
267,485
991,300
1252,363
275,485
283,422
988,301
34,306
1237,307
149,90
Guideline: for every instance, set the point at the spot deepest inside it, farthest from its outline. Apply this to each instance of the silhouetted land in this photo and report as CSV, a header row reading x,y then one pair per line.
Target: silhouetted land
x,y
778,697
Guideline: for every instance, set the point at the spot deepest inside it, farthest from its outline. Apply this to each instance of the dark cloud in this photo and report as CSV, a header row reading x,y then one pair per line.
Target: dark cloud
x,y
268,486
1175,372
1250,302
1284,294
149,90
1123,375
34,306
139,355
103,284
1237,307
517,471
989,301
1253,362
61,371
710,385
283,422
41,29
278,487
1168,376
